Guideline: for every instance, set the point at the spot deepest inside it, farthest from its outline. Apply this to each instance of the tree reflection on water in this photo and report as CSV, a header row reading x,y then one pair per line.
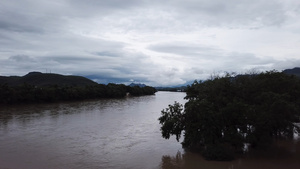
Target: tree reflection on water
x,y
284,154
190,160
173,162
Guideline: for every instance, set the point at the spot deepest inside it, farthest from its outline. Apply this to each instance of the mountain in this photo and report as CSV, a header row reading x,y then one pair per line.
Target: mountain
x,y
175,88
172,89
295,71
137,84
46,79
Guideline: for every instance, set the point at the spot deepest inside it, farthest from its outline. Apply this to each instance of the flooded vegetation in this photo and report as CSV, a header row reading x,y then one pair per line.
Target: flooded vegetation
x,y
223,114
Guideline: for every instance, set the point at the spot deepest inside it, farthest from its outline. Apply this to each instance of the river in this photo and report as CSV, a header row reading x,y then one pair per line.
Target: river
x,y
111,133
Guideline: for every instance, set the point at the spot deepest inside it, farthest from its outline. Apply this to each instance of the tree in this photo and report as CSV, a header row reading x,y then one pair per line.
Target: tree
x,y
224,113
172,121
27,93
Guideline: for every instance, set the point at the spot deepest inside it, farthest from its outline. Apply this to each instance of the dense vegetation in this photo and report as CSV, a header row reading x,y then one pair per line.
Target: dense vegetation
x,y
222,114
32,94
36,87
171,89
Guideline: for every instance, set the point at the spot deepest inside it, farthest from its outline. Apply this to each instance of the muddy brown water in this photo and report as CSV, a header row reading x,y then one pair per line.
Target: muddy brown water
x,y
112,133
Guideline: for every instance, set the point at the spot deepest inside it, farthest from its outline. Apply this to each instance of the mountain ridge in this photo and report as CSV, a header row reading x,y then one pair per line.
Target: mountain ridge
x,y
46,79
294,71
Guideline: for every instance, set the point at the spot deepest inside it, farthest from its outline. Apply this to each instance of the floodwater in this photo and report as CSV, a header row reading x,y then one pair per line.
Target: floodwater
x,y
111,133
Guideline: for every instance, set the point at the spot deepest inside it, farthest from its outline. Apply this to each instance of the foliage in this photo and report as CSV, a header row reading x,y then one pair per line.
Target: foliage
x,y
172,121
139,91
223,113
172,89
38,94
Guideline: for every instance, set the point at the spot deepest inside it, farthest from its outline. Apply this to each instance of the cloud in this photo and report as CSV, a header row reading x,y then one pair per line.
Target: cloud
x,y
197,54
233,13
187,49
21,58
157,42
191,15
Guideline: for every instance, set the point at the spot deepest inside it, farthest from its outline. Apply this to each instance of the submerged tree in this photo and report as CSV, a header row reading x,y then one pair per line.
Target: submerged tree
x,y
172,120
223,113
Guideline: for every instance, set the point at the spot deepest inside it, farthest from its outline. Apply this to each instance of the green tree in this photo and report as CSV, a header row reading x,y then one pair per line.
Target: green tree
x,y
224,113
172,121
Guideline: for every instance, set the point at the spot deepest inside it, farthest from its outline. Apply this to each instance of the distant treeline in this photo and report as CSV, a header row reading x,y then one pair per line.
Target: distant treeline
x,y
172,89
26,93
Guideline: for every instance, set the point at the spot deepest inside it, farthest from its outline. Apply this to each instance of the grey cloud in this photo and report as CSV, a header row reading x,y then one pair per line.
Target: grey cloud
x,y
244,59
204,60
107,53
18,64
43,17
111,4
129,39
29,16
68,59
186,50
286,64
126,66
47,16
23,24
232,13
21,58
189,15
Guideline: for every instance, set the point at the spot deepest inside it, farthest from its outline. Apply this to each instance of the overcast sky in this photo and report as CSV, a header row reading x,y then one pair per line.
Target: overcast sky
x,y
157,42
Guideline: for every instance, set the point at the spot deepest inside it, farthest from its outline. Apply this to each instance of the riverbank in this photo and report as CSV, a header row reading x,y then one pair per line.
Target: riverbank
x,y
24,94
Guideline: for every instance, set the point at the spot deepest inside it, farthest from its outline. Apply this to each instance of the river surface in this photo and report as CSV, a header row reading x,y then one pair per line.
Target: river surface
x,y
111,133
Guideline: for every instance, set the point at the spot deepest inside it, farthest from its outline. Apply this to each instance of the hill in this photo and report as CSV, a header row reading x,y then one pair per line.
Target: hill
x,y
137,84
294,71
172,89
46,79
